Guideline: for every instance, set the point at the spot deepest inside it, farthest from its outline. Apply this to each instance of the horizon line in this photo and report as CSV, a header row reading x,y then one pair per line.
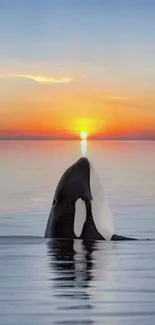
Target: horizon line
x,y
76,139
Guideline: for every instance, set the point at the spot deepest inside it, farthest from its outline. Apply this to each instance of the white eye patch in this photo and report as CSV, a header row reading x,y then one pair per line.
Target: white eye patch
x,y
100,209
80,217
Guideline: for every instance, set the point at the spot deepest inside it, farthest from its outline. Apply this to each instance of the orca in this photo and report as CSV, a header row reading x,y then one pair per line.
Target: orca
x,y
80,209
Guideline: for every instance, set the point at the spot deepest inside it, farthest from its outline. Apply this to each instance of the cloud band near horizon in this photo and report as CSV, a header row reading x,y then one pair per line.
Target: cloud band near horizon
x,y
45,80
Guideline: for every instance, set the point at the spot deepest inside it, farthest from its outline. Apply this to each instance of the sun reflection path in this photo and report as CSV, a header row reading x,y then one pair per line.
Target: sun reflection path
x,y
83,148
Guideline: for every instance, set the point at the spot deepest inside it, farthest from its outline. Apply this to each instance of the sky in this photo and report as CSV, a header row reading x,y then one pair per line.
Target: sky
x,y
73,66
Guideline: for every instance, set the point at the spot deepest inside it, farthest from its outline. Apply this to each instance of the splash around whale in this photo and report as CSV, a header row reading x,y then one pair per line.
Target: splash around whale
x,y
79,208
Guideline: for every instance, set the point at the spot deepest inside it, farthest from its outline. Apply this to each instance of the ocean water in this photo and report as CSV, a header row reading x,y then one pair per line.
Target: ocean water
x,y
69,282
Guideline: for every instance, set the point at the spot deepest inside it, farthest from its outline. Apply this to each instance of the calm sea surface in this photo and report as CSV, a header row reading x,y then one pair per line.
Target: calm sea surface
x,y
67,282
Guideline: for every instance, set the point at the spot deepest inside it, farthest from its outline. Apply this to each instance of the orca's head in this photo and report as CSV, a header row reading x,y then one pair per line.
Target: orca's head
x,y
66,214
72,207
74,183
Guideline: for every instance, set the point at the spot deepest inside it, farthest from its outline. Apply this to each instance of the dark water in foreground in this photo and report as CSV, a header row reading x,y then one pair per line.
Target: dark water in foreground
x,y
71,282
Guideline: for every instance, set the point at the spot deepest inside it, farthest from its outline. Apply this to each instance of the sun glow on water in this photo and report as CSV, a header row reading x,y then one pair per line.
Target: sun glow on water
x,y
83,148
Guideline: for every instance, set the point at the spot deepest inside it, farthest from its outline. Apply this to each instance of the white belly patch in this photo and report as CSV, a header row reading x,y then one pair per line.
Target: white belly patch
x,y
102,215
80,217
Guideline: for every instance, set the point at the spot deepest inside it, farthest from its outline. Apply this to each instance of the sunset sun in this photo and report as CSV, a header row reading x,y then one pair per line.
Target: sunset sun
x,y
83,135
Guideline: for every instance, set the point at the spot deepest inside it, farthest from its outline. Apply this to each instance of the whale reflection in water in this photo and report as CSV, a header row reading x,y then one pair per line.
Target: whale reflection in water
x,y
73,266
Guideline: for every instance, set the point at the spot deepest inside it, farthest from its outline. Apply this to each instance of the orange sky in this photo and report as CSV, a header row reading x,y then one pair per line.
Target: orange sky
x,y
87,66
32,109
80,66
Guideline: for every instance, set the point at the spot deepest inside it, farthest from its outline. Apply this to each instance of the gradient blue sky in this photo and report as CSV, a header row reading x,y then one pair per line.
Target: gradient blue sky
x,y
108,47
